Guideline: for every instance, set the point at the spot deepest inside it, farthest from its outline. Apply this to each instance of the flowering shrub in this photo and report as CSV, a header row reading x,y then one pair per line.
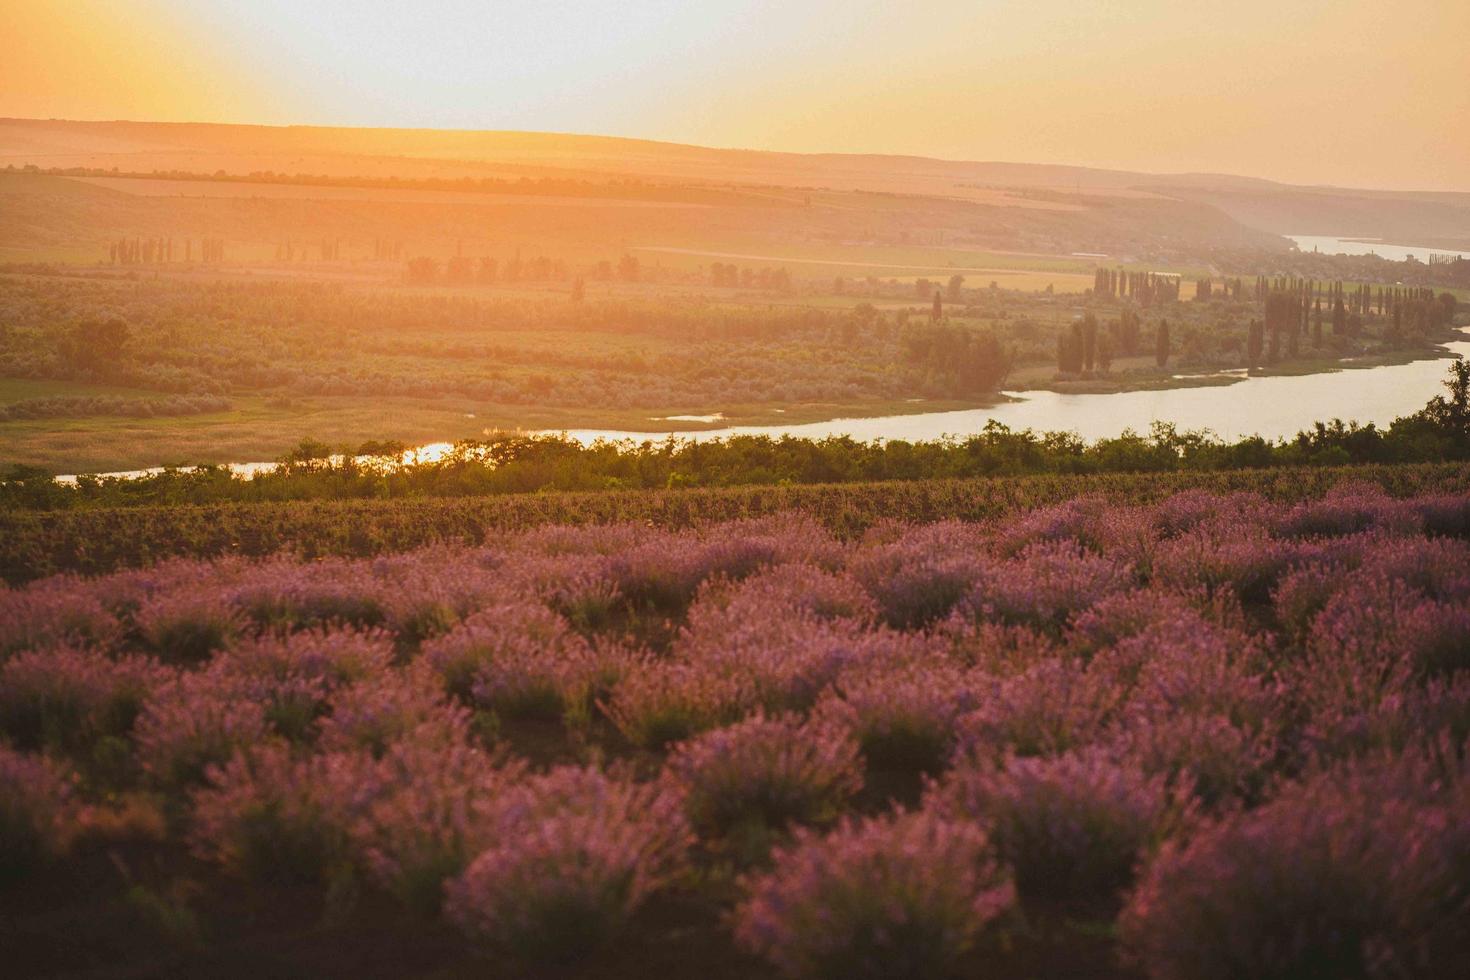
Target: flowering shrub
x,y
35,803
68,698
764,774
1055,705
1199,706
1302,593
792,590
574,854
286,595
292,676
787,661
54,612
519,648
1266,704
576,587
1045,585
187,627
1438,711
273,820
669,702
1348,509
919,578
1076,521
664,573
193,722
906,896
1376,641
903,714
1191,509
1119,616
1072,826
1345,875
335,656
394,706
431,812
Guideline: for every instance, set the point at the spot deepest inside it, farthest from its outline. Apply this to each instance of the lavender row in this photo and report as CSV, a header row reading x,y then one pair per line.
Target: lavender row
x,y
1233,727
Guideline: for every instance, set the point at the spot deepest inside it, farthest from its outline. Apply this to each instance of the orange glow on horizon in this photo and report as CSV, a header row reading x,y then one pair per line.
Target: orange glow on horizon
x,y
1348,92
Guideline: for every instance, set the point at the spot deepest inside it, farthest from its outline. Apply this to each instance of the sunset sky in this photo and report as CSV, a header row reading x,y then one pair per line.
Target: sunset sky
x,y
1349,92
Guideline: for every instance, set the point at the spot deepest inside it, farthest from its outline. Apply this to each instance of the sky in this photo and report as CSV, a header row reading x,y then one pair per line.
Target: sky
x,y
1362,93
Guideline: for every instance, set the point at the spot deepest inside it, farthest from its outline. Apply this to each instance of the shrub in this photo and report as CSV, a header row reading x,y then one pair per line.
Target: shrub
x,y
195,721
1044,586
1055,705
780,592
396,705
905,896
1119,616
665,573
1077,521
431,813
903,713
35,804
1375,643
1302,593
1243,560
286,595
58,611
292,676
1072,827
576,587
1348,509
1199,706
1349,874
788,661
766,774
1417,717
1386,624
669,702
68,698
517,647
920,577
188,626
273,820
574,854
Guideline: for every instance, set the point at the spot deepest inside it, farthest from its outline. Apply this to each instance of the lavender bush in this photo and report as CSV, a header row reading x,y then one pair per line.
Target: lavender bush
x,y
906,896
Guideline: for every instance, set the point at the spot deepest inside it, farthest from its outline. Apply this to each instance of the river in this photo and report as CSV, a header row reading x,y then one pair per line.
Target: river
x,y
1329,245
1273,407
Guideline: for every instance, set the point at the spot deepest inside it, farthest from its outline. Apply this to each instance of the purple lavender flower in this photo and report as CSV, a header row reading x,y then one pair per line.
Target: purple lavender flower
x,y
905,896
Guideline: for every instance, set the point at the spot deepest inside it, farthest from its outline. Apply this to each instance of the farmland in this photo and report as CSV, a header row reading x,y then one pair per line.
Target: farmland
x,y
262,287
191,364
375,738
805,491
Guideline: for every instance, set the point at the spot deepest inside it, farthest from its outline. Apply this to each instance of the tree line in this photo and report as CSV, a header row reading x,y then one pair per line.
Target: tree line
x,y
154,251
1146,288
514,463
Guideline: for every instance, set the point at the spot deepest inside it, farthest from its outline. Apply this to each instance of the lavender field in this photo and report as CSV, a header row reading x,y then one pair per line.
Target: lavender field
x,y
1213,735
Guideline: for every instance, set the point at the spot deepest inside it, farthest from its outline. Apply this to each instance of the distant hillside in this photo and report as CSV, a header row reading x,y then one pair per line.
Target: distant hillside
x,y
999,205
237,149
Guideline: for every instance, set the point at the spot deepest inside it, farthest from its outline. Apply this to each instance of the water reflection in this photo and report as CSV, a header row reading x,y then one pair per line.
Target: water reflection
x,y
1329,245
1273,407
